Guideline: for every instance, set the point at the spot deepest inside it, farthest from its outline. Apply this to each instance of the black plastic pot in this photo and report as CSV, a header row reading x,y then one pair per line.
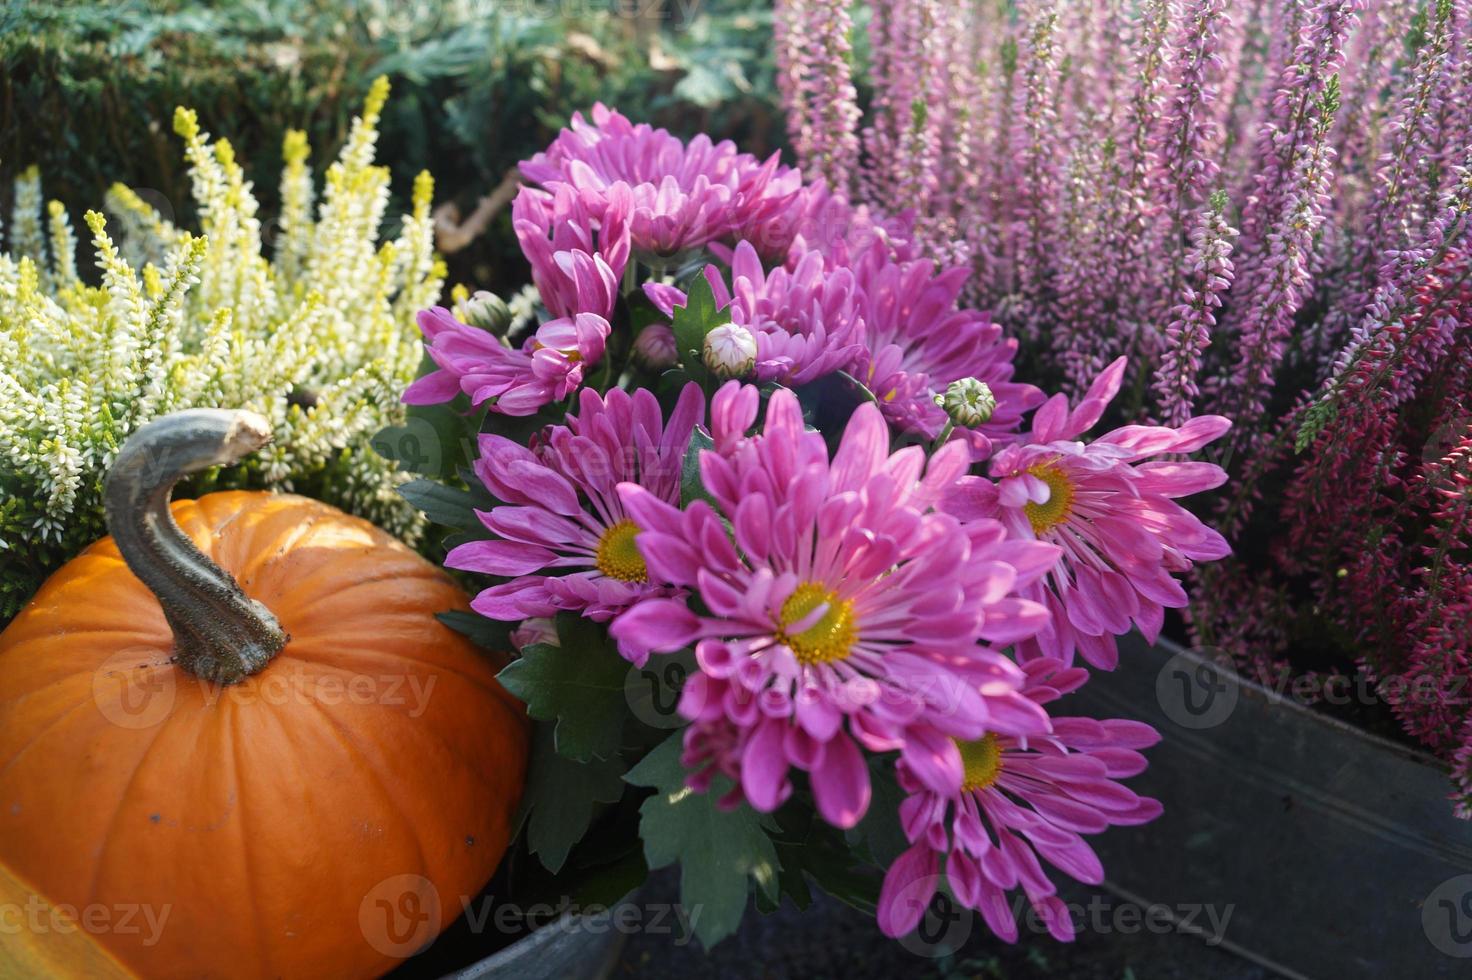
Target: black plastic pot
x,y
1318,849
559,951
574,946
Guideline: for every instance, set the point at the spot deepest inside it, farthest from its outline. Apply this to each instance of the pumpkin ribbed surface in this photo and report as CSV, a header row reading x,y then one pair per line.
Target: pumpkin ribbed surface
x,y
266,816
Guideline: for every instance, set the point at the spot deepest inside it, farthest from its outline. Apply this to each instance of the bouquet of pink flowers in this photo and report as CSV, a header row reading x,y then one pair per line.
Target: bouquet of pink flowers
x,y
749,458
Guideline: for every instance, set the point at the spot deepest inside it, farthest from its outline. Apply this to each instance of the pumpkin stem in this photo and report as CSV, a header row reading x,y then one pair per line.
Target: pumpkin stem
x,y
220,633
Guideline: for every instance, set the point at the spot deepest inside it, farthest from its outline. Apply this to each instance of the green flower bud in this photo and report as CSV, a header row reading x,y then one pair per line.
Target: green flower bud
x,y
968,402
485,310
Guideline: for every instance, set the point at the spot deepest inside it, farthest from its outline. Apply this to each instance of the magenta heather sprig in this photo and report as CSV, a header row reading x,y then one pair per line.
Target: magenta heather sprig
x,y
815,77
1032,227
1208,273
1282,218
1189,126
1410,145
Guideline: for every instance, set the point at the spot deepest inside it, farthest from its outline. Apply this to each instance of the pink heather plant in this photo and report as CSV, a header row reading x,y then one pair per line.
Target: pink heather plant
x,y
1018,800
564,537
846,612
812,47
1264,207
1111,510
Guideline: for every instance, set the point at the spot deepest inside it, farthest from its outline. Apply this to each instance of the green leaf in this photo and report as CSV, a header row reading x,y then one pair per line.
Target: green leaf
x,y
692,322
480,497
705,86
809,848
520,428
792,884
880,829
835,870
488,634
691,487
441,504
562,796
434,439
718,850
579,684
605,884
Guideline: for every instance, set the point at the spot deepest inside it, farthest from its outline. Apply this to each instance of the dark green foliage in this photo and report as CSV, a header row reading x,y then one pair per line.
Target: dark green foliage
x,y
478,85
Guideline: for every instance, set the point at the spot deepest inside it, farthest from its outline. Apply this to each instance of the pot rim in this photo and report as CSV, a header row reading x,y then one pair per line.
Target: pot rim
x,y
531,943
1273,700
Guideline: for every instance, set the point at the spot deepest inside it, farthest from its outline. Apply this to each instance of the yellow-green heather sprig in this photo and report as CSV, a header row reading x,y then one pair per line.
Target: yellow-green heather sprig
x,y
318,336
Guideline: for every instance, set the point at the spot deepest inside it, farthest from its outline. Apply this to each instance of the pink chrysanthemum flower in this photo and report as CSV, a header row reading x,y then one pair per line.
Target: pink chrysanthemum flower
x,y
684,196
1112,513
917,341
566,539
805,320
577,244
1018,800
547,368
844,611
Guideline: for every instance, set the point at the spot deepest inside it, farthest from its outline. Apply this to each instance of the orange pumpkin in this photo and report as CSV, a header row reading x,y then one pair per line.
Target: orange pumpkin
x,y
299,775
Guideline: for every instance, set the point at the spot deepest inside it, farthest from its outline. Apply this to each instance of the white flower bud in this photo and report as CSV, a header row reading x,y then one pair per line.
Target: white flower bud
x,y
730,351
485,310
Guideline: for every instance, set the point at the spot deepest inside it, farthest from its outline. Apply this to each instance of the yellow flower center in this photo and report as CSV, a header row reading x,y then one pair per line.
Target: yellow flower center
x,y
828,639
1046,516
982,761
618,556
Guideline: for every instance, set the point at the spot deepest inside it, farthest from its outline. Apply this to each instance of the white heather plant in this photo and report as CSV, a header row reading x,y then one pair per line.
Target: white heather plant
x,y
319,338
